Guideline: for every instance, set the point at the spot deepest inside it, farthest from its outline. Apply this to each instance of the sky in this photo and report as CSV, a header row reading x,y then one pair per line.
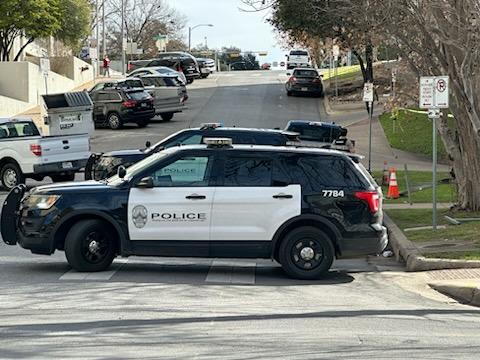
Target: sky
x,y
246,30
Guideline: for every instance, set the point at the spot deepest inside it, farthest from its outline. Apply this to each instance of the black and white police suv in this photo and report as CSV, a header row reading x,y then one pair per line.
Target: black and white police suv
x,y
302,207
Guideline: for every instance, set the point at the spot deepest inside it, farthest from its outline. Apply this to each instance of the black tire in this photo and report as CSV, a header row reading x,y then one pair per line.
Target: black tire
x,y
82,253
114,121
11,175
167,116
289,93
306,253
143,123
190,80
63,178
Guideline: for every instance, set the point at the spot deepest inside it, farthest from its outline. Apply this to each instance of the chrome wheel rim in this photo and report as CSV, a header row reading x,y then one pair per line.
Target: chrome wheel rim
x,y
10,178
114,121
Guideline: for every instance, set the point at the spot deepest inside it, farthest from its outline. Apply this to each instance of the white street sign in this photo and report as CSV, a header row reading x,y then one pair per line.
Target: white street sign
x,y
336,51
45,65
441,92
434,113
434,92
368,92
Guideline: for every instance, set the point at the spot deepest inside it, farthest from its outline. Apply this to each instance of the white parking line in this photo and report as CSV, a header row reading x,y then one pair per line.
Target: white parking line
x,y
97,276
231,272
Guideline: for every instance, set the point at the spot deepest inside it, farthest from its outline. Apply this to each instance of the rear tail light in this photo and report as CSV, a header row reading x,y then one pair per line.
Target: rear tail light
x,y
130,67
372,198
317,80
36,149
129,103
293,79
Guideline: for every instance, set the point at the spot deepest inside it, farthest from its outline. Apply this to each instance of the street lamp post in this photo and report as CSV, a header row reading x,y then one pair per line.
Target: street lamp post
x,y
190,29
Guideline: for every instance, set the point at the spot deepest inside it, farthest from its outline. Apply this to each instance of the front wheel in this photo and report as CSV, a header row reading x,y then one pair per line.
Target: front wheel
x,y
306,253
11,175
167,116
90,246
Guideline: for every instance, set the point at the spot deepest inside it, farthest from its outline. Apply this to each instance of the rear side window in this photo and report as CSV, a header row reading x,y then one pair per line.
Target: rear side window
x,y
247,171
19,129
160,81
317,173
137,95
132,83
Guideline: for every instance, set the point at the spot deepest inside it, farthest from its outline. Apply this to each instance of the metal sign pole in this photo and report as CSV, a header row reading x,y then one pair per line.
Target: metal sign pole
x,y
370,107
434,174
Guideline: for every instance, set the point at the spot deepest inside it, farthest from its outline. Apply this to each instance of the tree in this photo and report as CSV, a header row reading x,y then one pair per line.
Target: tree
x,y
435,37
351,24
442,37
74,22
144,19
29,18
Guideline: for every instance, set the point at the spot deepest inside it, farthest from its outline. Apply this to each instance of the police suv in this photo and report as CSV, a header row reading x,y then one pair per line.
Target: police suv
x,y
300,206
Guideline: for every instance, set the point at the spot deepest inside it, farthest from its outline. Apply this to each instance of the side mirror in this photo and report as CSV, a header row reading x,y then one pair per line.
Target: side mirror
x,y
289,73
148,144
145,183
321,75
121,172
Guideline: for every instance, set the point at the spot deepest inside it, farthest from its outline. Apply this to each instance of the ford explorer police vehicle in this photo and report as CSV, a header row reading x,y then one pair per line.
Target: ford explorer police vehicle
x,y
302,207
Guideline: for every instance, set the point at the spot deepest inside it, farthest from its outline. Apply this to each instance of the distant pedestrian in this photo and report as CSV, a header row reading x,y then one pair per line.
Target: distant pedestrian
x,y
106,66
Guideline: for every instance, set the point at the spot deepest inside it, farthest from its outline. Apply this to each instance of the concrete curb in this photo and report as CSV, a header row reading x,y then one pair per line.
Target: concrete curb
x,y
464,291
407,250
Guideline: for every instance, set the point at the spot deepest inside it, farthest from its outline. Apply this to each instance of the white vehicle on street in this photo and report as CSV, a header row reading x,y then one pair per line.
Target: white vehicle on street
x,y
24,153
169,94
158,70
298,58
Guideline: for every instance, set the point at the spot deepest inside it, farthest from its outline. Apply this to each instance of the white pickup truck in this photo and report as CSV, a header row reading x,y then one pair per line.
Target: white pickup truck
x,y
24,153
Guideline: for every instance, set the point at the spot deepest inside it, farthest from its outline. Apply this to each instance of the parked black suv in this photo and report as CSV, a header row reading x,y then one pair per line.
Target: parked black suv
x,y
103,165
179,61
117,104
301,207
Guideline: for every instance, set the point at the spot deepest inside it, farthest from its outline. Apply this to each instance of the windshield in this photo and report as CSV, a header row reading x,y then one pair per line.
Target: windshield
x,y
137,168
305,73
299,53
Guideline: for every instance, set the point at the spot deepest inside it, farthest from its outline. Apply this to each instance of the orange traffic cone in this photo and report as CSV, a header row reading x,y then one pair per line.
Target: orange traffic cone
x,y
393,185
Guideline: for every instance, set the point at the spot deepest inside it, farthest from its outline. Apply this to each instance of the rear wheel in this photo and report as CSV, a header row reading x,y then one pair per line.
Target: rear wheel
x,y
11,175
114,122
189,80
90,246
143,123
63,178
306,253
167,116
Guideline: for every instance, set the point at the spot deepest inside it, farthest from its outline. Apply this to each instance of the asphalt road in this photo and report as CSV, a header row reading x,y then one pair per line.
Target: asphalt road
x,y
155,308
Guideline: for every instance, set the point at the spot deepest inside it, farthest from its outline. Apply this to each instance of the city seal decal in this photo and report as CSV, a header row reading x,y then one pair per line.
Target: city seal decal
x,y
139,216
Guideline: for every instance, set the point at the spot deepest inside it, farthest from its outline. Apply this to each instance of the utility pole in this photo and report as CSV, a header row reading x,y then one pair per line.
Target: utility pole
x,y
104,43
97,35
123,37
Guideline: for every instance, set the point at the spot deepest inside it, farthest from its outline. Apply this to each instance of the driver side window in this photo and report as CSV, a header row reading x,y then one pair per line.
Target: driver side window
x,y
184,172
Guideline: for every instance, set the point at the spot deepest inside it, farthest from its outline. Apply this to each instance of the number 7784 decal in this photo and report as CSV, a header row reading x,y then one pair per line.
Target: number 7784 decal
x,y
333,193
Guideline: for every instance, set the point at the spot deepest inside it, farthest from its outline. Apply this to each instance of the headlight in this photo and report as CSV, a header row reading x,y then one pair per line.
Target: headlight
x,y
42,202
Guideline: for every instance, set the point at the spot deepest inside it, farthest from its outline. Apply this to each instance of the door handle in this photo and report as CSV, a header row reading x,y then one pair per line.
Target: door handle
x,y
283,196
195,197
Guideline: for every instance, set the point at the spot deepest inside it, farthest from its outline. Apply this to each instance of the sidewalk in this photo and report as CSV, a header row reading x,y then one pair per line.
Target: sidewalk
x,y
462,285
416,206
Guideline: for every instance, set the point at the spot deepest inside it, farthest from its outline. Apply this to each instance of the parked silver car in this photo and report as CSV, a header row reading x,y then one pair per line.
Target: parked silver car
x,y
158,70
168,92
